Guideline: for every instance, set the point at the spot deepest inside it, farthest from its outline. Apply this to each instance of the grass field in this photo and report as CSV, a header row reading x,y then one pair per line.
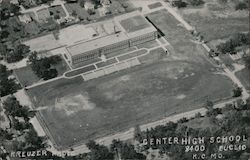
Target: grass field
x,y
148,45
108,62
80,71
132,54
134,23
224,19
126,98
81,12
119,52
27,77
154,5
162,85
57,11
244,76
32,28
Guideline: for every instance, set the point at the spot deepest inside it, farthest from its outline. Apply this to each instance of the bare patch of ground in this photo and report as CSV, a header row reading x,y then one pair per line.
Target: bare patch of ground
x,y
73,104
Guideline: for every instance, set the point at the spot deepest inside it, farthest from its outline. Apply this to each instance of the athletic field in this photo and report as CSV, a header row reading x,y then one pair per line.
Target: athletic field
x,y
75,111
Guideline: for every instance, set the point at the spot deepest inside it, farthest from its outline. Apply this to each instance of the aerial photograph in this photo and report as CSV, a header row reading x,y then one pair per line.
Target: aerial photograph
x,y
124,80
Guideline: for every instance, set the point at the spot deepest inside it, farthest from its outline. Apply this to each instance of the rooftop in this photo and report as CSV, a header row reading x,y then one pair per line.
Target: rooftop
x,y
96,43
127,25
134,24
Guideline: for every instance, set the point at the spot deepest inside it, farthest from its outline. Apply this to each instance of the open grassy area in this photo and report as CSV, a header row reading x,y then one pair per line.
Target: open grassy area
x,y
216,21
57,11
80,71
162,85
121,100
108,62
154,5
148,45
227,60
26,76
61,66
75,7
32,28
244,76
132,54
119,52
203,123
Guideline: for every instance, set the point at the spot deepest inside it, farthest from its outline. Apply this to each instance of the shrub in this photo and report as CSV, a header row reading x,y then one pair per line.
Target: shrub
x,y
241,6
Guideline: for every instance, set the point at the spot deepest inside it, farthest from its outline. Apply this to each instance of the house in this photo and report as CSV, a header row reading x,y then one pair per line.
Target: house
x,y
89,5
25,18
105,2
14,2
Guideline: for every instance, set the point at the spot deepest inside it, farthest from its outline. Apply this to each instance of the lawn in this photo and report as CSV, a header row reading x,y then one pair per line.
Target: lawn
x,y
119,52
216,21
244,76
80,11
162,85
227,60
202,123
155,5
132,54
26,76
32,28
108,62
116,7
148,45
57,11
61,66
88,62
126,4
121,100
80,71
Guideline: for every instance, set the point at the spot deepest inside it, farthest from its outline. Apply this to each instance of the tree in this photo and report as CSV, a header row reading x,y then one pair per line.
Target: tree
x,y
44,67
237,91
74,14
196,2
13,108
179,4
246,59
236,40
222,2
82,2
56,17
137,133
99,152
241,6
4,34
7,85
126,151
209,105
3,50
18,53
34,142
8,9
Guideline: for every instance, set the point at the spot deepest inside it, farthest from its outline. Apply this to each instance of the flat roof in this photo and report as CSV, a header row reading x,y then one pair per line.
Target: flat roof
x,y
129,25
134,24
96,43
